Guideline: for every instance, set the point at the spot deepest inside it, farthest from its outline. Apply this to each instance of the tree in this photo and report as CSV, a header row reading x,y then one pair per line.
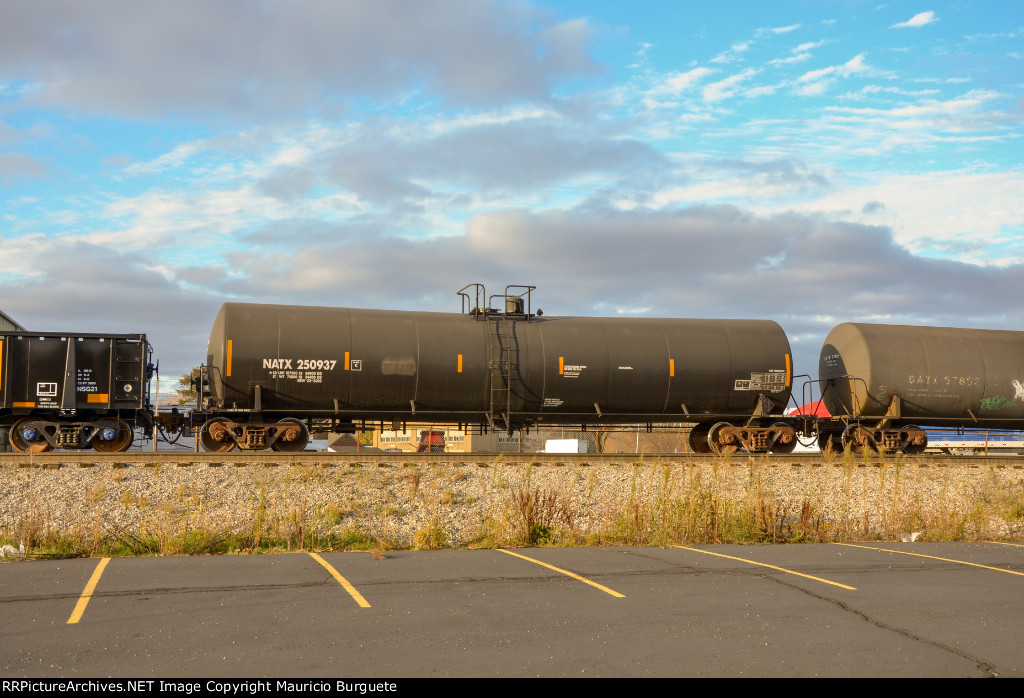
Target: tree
x,y
187,390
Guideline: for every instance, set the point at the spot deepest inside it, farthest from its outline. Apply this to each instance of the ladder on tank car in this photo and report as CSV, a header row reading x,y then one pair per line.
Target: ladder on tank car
x,y
502,346
504,358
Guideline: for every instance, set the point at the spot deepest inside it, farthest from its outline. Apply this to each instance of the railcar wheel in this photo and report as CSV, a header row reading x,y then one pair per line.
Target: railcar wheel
x,y
698,439
27,437
215,436
858,438
112,437
721,440
785,440
917,441
292,436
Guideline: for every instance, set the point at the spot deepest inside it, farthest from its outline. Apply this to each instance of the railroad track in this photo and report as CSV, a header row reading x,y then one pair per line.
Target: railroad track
x,y
57,459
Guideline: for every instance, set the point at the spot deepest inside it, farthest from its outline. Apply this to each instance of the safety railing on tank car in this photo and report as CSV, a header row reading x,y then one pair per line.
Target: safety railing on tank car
x,y
479,299
514,304
808,420
852,411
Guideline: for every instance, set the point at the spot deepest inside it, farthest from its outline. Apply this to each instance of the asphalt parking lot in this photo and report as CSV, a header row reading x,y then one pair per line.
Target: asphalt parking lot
x,y
868,609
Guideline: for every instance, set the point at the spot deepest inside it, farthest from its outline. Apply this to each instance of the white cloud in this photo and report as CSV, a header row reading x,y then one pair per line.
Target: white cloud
x,y
816,75
928,212
760,91
777,30
675,83
16,166
870,90
808,46
854,65
228,59
176,157
816,82
798,58
919,20
733,53
926,121
726,88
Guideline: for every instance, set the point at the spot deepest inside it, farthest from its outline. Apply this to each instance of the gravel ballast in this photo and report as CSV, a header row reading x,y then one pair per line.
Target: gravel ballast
x,y
497,502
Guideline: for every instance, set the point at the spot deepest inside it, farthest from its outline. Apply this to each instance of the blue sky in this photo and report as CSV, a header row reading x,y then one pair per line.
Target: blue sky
x,y
809,162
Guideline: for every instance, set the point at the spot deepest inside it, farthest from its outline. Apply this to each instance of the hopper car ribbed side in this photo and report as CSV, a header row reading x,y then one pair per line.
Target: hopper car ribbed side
x,y
68,390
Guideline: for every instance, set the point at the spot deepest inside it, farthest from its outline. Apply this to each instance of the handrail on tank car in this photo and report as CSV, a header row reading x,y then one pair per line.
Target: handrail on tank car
x,y
480,294
854,411
512,303
805,391
515,301
808,421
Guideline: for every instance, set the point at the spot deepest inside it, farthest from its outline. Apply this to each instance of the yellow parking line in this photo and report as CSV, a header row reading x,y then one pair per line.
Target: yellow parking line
x,y
342,581
999,542
566,572
932,557
762,564
83,600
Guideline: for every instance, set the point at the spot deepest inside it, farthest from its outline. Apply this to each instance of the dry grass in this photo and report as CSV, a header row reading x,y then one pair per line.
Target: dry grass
x,y
733,500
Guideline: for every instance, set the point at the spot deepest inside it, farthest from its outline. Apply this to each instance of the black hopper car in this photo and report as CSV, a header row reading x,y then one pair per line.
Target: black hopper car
x,y
74,390
272,371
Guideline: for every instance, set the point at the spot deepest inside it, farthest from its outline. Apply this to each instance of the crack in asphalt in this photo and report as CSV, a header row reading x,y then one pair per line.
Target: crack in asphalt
x,y
982,665
167,590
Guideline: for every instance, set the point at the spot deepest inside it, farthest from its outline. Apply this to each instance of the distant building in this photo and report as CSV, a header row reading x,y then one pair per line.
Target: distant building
x,y
9,325
455,440
408,440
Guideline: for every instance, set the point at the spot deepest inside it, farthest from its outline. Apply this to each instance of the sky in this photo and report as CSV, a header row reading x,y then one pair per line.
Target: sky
x,y
806,162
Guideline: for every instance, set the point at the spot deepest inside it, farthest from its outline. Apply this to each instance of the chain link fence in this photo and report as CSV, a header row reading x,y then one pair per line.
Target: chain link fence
x,y
622,439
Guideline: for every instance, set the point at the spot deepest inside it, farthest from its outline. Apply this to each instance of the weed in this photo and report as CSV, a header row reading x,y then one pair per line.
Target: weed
x,y
536,511
259,516
333,515
414,481
660,503
829,454
431,537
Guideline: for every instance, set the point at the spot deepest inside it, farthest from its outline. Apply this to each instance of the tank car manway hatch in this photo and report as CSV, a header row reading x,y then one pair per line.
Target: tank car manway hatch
x,y
273,369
